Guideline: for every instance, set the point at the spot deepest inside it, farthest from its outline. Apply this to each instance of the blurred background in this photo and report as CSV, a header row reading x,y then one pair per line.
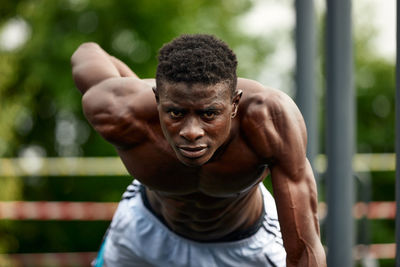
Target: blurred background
x,y
59,181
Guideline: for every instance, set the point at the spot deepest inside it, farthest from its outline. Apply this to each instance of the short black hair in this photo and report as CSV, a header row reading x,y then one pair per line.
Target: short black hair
x,y
197,58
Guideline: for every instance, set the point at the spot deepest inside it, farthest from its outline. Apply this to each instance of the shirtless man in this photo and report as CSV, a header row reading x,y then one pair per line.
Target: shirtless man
x,y
199,142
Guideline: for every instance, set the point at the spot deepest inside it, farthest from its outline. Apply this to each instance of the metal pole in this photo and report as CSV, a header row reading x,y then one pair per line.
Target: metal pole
x,y
398,138
306,97
340,133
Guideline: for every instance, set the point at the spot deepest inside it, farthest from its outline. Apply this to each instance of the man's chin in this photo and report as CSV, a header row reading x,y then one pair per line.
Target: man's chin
x,y
193,162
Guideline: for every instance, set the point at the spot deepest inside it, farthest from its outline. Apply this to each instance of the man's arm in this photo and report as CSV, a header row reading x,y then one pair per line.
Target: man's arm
x,y
115,101
294,188
279,136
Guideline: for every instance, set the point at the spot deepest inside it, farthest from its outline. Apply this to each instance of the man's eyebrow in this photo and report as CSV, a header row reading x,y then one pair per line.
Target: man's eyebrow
x,y
215,106
172,107
212,108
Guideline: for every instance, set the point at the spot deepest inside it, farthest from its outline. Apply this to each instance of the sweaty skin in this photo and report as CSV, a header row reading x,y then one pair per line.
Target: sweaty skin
x,y
201,151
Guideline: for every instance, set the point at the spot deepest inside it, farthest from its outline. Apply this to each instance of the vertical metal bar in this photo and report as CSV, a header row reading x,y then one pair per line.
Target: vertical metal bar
x,y
306,97
340,133
398,136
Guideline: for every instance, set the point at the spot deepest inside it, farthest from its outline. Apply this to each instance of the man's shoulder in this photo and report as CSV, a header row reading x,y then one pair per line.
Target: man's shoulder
x,y
269,118
258,98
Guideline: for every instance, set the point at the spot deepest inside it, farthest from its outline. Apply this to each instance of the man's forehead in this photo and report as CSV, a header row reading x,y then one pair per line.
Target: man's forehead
x,y
198,96
182,89
193,104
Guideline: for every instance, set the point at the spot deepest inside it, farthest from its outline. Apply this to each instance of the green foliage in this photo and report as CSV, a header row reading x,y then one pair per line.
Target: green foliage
x,y
106,189
383,186
374,83
41,108
36,90
375,105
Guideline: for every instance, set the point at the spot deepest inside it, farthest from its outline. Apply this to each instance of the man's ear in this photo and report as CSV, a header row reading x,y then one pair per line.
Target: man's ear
x,y
235,101
155,91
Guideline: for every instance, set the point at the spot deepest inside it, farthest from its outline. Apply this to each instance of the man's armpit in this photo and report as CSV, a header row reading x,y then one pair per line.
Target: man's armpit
x,y
119,131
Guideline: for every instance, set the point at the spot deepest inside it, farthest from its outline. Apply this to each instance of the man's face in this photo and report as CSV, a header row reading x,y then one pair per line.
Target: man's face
x,y
196,118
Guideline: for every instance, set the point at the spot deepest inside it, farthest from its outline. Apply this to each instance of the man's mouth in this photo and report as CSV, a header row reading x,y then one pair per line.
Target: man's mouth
x,y
193,151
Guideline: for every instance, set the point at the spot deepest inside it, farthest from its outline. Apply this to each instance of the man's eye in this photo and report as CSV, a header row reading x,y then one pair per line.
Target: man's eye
x,y
209,115
175,114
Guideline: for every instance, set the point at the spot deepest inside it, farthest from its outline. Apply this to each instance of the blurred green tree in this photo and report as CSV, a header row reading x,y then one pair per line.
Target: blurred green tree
x,y
40,111
41,108
374,83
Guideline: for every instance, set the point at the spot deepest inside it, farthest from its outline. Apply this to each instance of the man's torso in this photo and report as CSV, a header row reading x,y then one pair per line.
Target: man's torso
x,y
210,201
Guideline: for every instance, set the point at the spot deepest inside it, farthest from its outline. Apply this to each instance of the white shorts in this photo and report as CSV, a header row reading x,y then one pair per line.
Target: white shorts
x,y
137,237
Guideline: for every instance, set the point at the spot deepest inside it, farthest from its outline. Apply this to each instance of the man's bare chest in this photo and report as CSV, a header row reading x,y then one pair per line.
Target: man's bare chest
x,y
230,172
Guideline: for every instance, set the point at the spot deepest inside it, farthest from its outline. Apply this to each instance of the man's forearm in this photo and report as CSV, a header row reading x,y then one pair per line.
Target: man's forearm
x,y
123,69
311,257
296,196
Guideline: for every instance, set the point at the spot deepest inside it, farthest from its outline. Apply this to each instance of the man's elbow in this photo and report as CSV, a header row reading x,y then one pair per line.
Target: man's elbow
x,y
88,46
82,51
80,60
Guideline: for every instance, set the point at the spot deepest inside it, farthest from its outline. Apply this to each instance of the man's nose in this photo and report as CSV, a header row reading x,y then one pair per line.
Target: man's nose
x,y
192,130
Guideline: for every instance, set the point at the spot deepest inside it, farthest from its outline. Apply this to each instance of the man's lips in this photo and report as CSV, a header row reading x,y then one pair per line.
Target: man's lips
x,y
193,151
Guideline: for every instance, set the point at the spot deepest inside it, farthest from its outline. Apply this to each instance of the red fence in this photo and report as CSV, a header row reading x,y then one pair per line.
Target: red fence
x,y
47,259
90,211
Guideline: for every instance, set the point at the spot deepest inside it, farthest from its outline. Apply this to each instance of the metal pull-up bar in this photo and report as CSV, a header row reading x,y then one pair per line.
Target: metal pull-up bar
x,y
306,96
340,145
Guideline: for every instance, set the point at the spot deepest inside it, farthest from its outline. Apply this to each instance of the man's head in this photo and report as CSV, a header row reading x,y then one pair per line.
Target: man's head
x,y
196,96
197,58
